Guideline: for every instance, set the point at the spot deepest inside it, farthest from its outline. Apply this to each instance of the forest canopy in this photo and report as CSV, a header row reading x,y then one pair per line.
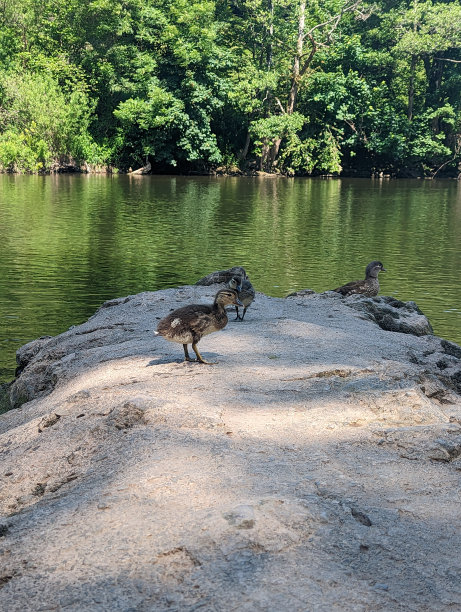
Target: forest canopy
x,y
289,86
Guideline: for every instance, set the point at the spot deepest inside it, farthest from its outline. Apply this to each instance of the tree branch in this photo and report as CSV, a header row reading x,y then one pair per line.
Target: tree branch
x,y
440,167
280,104
313,51
335,18
446,59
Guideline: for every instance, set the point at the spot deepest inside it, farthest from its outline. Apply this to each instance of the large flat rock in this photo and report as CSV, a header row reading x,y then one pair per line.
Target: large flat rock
x,y
316,466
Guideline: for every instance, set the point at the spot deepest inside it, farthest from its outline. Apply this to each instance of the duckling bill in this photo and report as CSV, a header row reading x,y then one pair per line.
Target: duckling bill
x,y
187,325
369,286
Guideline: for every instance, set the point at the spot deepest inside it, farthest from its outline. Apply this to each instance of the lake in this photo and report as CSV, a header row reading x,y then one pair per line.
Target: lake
x,y
70,242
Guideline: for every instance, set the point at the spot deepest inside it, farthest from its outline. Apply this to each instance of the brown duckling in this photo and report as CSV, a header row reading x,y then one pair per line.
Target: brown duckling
x,y
369,286
223,276
246,295
188,324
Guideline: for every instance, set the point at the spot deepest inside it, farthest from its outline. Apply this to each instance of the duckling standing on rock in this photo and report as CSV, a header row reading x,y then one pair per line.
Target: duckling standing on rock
x,y
188,324
246,296
369,286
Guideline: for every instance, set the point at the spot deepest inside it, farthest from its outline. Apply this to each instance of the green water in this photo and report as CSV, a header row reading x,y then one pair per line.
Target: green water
x,y
69,242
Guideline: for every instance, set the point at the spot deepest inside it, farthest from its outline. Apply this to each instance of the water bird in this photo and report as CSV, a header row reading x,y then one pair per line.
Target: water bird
x,y
246,296
369,286
223,276
187,325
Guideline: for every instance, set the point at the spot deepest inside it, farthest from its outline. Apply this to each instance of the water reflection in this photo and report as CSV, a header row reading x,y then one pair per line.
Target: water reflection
x,y
71,242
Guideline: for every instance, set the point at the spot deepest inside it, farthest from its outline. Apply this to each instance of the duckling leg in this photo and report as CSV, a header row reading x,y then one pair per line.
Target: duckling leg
x,y
186,354
199,357
238,317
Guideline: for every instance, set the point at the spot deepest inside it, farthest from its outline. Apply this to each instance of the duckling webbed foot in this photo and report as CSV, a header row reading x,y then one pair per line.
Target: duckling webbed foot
x,y
200,358
187,357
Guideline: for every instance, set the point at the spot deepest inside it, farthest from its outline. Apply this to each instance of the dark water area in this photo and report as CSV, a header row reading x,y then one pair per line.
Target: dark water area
x,y
70,242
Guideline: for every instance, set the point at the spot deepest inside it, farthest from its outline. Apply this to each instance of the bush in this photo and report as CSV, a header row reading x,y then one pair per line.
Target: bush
x,y
41,124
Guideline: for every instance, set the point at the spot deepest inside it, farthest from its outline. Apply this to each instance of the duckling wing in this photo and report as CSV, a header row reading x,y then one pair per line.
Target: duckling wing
x,y
207,322
352,287
366,287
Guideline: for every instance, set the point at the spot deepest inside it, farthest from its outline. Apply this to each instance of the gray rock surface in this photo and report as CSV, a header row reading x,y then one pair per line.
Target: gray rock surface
x,y
315,467
391,314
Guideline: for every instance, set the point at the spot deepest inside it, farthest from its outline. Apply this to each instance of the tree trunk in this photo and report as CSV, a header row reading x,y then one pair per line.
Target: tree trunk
x,y
411,88
246,146
266,157
292,96
269,52
274,151
263,162
434,72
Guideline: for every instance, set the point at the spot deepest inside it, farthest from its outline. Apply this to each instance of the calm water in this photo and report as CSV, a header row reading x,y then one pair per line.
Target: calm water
x,y
70,242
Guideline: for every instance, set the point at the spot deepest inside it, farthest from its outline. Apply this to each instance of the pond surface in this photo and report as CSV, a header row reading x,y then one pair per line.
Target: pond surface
x,y
70,242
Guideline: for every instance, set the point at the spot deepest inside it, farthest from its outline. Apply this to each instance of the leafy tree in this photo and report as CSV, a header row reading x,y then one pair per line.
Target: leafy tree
x,y
279,85
40,123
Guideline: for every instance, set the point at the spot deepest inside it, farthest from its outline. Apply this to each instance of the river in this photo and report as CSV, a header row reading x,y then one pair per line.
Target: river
x,y
70,242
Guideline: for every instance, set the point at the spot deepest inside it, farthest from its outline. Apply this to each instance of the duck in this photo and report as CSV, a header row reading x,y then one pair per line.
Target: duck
x,y
223,276
187,325
369,286
246,295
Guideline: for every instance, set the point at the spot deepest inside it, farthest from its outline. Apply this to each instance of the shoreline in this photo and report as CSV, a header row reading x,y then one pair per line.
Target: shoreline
x,y
360,174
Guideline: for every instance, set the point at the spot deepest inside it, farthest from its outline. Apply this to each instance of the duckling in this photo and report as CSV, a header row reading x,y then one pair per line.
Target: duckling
x,y
369,286
222,276
246,296
188,324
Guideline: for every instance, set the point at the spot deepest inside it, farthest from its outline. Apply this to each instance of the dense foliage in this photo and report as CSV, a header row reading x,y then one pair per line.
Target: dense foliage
x,y
276,85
